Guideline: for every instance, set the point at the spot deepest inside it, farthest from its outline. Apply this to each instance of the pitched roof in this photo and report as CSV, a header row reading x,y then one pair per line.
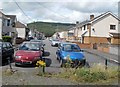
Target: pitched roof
x,y
98,17
11,16
104,14
20,25
84,22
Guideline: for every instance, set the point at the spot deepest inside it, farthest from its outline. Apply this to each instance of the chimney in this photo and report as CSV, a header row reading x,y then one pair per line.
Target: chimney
x,y
91,17
77,22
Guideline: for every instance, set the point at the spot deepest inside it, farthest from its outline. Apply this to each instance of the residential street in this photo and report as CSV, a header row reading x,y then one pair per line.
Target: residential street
x,y
54,67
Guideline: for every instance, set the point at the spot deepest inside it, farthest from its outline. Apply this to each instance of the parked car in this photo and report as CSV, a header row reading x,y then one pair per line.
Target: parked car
x,y
29,38
41,44
28,53
50,38
55,42
7,51
73,51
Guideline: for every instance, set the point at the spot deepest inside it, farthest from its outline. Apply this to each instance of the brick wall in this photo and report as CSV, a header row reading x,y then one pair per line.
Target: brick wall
x,y
115,40
84,46
103,49
95,39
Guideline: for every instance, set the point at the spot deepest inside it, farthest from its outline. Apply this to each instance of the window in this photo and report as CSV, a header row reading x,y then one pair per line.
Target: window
x,y
112,27
8,22
84,27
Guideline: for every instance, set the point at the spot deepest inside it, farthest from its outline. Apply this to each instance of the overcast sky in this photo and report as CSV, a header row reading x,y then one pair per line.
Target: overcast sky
x,y
67,11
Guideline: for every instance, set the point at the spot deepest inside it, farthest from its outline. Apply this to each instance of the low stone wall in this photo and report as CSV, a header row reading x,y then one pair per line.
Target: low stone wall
x,y
103,49
112,49
84,46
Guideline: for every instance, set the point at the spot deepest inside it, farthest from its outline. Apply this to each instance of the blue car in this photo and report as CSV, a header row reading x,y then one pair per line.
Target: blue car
x,y
72,51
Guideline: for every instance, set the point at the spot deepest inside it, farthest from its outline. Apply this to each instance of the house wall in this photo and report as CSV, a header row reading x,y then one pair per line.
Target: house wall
x,y
95,39
63,34
21,32
102,26
79,32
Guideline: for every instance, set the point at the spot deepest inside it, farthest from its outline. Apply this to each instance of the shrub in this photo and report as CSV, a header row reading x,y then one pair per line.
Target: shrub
x,y
7,39
94,74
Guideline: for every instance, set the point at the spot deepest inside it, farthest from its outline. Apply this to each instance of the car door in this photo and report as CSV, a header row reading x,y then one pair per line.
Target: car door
x,y
4,51
59,51
10,49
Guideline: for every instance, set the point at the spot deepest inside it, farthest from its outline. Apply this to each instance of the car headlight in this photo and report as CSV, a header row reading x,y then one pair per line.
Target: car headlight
x,y
17,56
65,58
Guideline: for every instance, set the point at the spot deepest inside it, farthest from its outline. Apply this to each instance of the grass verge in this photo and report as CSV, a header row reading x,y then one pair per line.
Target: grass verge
x,y
97,74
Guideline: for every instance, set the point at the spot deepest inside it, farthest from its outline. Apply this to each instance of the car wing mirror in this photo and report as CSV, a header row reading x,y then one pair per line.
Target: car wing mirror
x,y
43,44
58,49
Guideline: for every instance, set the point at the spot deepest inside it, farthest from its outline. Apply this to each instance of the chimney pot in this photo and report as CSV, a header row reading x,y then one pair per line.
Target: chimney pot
x,y
77,22
91,17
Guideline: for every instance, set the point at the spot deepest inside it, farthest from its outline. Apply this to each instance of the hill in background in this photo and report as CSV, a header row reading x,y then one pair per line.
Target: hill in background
x,y
49,28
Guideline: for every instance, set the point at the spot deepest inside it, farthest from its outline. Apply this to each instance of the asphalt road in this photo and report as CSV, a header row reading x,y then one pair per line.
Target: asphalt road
x,y
54,66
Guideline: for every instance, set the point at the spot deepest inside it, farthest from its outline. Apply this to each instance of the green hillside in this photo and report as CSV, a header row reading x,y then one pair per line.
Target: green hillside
x,y
49,28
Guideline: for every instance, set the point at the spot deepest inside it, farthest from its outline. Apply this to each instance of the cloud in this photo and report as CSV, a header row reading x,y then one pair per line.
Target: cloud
x,y
58,11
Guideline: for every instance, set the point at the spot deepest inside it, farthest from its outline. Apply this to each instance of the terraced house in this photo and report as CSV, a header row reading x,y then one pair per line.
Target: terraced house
x,y
7,26
100,29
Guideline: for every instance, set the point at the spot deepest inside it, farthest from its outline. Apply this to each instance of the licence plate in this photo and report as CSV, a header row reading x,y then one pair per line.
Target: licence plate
x,y
30,62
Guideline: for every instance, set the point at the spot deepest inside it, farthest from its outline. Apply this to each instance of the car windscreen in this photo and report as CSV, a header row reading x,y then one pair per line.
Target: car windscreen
x,y
71,47
40,41
30,46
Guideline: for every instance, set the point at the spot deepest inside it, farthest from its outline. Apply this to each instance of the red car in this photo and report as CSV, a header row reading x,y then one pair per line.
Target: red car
x,y
28,53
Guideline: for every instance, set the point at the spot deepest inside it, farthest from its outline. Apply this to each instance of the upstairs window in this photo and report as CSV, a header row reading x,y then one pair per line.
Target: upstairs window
x,y
112,27
84,27
8,22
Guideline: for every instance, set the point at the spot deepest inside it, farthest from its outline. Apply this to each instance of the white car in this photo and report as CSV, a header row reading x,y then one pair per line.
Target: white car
x,y
55,42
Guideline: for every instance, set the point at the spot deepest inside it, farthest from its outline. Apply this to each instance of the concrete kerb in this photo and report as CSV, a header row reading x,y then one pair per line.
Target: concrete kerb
x,y
115,61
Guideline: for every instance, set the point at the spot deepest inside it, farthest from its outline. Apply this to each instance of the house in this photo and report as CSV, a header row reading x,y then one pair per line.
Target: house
x,y
71,32
21,29
100,29
7,26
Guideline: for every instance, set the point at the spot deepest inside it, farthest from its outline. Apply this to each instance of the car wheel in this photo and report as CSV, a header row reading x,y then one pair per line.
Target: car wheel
x,y
57,57
16,65
83,63
61,63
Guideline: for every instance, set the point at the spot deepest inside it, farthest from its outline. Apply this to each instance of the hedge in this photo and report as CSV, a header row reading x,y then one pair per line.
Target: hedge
x,y
7,39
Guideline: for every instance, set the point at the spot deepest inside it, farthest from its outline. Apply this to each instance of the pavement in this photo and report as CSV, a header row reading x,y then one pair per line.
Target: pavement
x,y
108,56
